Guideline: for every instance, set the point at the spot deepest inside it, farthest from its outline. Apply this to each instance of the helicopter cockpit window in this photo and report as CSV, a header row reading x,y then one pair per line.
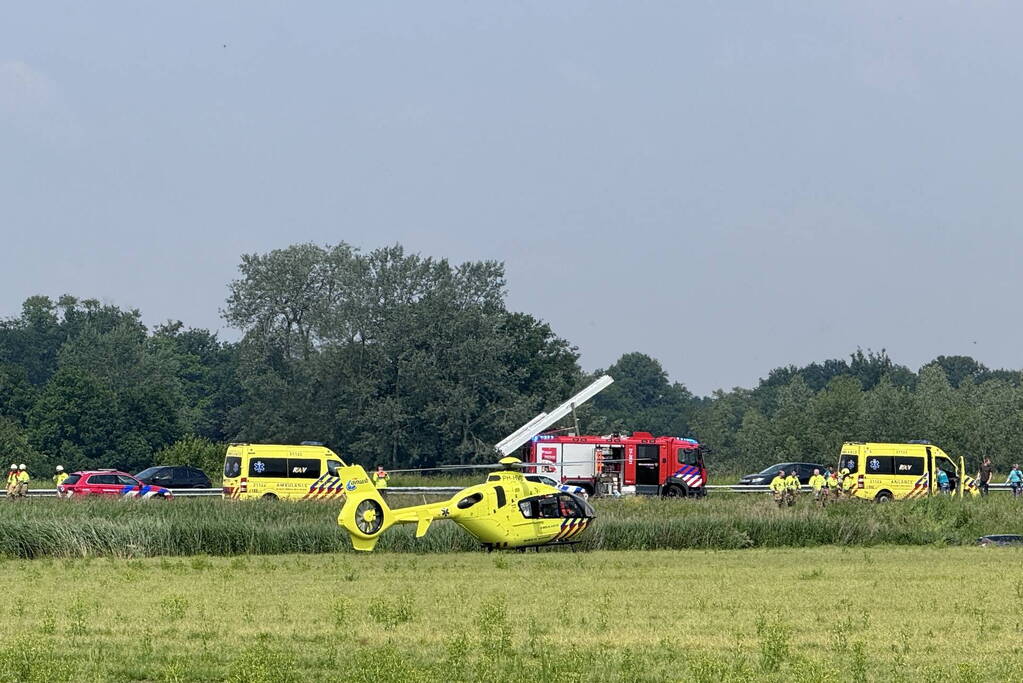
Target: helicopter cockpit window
x,y
569,506
530,508
469,501
553,506
549,507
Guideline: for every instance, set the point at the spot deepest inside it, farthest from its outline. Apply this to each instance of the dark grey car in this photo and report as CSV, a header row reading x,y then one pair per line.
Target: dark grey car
x,y
804,470
175,477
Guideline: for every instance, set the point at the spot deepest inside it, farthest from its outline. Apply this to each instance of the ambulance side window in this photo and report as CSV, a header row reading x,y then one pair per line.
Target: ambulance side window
x,y
268,467
850,462
880,464
909,465
303,468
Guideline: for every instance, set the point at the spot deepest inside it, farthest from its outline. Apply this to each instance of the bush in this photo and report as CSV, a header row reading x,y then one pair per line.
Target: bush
x,y
195,451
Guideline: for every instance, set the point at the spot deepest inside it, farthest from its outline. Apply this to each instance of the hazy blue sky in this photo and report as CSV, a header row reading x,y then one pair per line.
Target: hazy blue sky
x,y
728,187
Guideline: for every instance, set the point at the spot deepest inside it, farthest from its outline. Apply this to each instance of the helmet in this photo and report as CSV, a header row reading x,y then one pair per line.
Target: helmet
x,y
22,466
14,466
60,468
845,470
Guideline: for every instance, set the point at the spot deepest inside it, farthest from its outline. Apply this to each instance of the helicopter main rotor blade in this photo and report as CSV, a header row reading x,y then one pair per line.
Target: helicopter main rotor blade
x,y
566,462
498,466
449,468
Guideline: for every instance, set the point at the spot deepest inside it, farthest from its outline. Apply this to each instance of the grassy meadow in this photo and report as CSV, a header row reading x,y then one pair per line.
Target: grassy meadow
x,y
203,526
822,614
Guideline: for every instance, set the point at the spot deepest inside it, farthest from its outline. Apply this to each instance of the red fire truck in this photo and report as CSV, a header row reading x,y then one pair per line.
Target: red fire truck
x,y
640,463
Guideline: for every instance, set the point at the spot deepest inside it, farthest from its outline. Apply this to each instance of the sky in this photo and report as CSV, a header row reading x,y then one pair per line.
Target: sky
x,y
727,186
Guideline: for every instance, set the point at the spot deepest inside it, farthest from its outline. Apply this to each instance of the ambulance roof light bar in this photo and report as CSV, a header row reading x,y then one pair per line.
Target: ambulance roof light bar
x,y
514,441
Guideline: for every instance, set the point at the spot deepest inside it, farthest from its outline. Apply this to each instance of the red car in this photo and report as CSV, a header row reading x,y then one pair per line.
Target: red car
x,y
109,483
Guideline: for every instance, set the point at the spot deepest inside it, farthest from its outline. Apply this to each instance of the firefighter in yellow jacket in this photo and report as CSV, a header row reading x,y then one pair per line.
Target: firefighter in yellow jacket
x,y
380,477
831,484
778,487
818,484
60,476
22,491
847,480
12,480
791,487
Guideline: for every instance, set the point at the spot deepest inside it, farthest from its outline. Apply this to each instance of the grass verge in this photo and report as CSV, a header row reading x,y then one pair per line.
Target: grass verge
x,y
823,614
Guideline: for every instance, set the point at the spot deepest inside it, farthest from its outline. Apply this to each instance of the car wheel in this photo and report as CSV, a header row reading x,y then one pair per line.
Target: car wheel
x,y
269,496
884,497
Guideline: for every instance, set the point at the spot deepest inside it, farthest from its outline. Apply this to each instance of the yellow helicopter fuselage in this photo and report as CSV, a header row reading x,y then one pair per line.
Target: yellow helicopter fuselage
x,y
506,511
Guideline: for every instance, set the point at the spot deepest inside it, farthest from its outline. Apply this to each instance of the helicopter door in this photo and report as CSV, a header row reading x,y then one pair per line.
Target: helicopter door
x,y
648,468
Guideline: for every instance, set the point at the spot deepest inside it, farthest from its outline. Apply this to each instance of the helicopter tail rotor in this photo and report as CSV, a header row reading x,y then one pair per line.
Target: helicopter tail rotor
x,y
365,514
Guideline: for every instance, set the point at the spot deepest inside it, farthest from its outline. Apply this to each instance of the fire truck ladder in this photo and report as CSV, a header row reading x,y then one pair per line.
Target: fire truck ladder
x,y
514,441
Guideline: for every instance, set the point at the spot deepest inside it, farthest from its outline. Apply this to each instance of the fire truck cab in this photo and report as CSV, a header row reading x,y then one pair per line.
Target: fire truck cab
x,y
614,465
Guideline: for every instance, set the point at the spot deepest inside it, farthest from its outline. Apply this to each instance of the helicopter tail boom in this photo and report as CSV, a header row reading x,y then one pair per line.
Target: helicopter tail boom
x,y
365,514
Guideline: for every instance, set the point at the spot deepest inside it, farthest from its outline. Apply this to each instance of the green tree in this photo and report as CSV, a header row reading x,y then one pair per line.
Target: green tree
x,y
15,448
837,415
396,358
77,421
195,451
716,425
891,413
643,398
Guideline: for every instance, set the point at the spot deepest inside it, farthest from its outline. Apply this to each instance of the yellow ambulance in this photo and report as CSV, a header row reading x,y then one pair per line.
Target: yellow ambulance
x,y
270,471
901,471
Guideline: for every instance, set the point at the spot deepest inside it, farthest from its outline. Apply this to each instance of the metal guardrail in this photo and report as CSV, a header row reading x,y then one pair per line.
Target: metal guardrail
x,y
208,493
759,488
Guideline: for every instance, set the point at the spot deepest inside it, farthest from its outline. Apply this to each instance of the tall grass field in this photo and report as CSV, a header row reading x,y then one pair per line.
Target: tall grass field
x,y
823,614
102,527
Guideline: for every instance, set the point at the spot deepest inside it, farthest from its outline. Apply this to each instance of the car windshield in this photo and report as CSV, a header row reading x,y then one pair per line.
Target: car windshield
x,y
146,473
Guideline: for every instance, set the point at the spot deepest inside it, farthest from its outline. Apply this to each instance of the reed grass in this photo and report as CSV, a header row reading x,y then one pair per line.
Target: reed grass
x,y
116,528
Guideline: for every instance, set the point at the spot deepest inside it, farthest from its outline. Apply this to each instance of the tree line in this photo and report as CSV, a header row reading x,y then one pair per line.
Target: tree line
x,y
405,360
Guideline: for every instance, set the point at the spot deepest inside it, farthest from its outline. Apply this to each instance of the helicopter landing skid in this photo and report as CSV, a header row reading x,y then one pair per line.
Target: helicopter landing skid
x,y
490,547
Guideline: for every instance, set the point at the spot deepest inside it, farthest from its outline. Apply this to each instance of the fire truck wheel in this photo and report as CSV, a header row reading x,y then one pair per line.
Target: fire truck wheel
x,y
675,491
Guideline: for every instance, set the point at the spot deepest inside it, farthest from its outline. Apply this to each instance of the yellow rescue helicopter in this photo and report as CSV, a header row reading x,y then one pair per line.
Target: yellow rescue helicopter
x,y
506,511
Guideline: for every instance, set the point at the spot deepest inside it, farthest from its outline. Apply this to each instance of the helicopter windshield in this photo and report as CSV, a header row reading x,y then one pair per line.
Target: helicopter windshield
x,y
555,506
